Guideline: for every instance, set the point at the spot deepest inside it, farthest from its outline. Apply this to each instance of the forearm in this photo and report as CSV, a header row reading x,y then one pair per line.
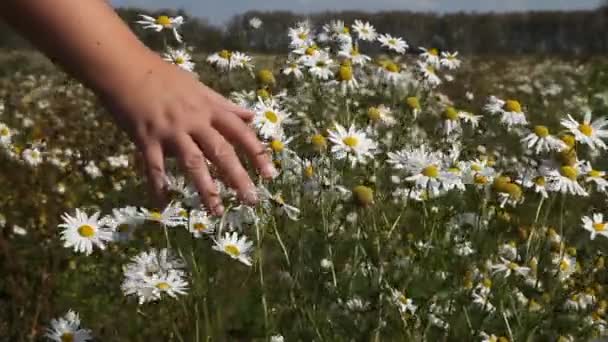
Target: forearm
x,y
86,37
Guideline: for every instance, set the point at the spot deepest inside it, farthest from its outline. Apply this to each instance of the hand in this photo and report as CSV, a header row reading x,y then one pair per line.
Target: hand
x,y
167,111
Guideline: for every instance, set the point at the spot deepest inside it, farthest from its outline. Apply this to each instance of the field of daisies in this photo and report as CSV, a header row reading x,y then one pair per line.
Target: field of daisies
x,y
422,195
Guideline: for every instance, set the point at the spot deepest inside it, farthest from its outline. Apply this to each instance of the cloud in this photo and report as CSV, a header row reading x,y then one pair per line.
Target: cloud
x,y
218,11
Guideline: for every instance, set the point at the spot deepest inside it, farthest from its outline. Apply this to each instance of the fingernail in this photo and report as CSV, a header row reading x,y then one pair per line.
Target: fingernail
x,y
269,171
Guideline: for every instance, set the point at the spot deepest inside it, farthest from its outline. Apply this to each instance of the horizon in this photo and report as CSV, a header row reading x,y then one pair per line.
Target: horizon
x,y
219,13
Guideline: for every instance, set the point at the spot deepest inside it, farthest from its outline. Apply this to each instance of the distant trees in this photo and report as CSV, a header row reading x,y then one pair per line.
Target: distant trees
x,y
547,32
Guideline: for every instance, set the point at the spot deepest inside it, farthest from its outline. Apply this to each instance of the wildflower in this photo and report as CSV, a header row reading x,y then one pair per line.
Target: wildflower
x,y
171,216
351,144
123,222
363,195
171,284
597,177
236,247
179,57
429,74
289,210
390,72
352,54
319,66
424,168
414,104
405,305
162,22
393,43
82,232
293,68
510,111
365,31
5,135
222,59
509,267
450,61
587,132
565,180
595,225
92,170
381,114
430,57
301,35
269,118
32,156
200,223
277,338
265,77
67,329
542,141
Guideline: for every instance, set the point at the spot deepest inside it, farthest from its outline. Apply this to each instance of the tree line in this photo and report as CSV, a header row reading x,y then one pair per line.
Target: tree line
x,y
575,33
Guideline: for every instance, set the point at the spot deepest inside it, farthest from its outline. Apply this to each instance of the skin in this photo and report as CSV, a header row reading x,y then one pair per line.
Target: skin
x,y
165,110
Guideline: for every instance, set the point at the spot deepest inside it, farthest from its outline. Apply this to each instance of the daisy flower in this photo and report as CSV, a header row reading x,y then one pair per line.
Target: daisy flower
x,y
82,232
222,59
451,120
200,224
351,53
277,199
509,267
240,60
424,168
430,57
123,222
390,72
393,43
542,141
535,181
345,77
32,156
510,111
269,118
300,35
171,284
67,328
405,305
450,61
293,68
351,144
171,216
179,57
255,23
429,74
365,31
319,66
162,22
597,177
587,132
381,114
564,180
595,225
236,247
5,134
470,118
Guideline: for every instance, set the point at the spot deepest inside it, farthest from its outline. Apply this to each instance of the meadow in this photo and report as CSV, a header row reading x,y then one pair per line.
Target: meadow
x,y
422,196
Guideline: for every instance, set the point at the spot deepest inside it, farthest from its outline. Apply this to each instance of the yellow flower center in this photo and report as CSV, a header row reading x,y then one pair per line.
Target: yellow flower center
x,y
513,266
321,64
450,113
433,52
346,73
67,337
351,141
487,282
599,226
183,213
86,231
430,69
163,286
403,299
513,106
310,51
569,140
541,131
540,181
309,171
431,171
4,132
233,250
123,228
179,60
568,172
271,116
303,35
564,265
480,179
345,30
476,167
391,67
586,129
595,173
513,190
225,54
199,226
373,113
156,216
392,42
413,102
163,21
266,77
263,93
318,141
277,146
363,195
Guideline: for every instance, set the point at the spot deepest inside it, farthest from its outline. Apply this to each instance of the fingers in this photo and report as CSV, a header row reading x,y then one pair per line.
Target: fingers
x,y
243,113
242,135
223,156
194,164
155,171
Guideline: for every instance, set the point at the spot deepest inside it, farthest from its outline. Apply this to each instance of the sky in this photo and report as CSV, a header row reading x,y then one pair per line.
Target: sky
x,y
218,11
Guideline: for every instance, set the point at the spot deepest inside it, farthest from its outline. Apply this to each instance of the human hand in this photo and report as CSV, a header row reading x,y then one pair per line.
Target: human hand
x,y
167,111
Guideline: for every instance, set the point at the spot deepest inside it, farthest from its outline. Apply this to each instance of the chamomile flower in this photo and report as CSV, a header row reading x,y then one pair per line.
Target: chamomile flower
x,y
236,247
404,304
67,329
451,120
277,200
536,181
565,180
351,144
596,177
81,232
171,216
390,72
587,132
301,35
393,43
269,118
255,23
450,60
430,57
179,57
595,225
381,115
293,68
425,168
320,65
32,156
509,267
123,222
365,31
162,22
200,223
5,135
542,141
352,54
171,284
239,60
429,74
222,60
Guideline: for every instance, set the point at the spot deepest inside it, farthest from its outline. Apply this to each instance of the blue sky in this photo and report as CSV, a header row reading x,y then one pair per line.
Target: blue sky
x,y
218,11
